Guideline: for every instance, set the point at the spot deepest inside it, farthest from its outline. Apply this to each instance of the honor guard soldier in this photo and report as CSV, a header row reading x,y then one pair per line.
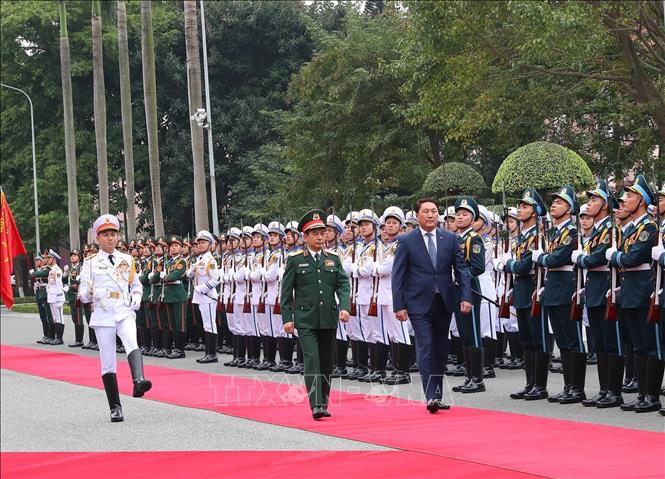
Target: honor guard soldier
x,y
633,258
55,296
334,231
258,298
109,280
291,239
473,250
157,318
658,255
532,328
312,279
558,292
399,332
605,331
174,297
39,275
71,296
205,276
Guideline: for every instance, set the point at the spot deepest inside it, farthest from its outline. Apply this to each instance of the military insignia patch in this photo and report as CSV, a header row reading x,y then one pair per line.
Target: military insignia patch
x,y
567,240
527,194
476,248
644,235
329,262
316,216
463,202
180,266
606,240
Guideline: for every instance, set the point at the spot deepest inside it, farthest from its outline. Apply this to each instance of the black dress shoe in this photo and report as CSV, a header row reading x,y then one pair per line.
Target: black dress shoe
x,y
457,371
141,387
432,406
208,358
176,354
42,341
397,379
474,386
95,347
116,414
317,413
575,396
488,372
632,387
231,363
76,344
557,397
650,404
522,393
592,402
442,405
459,387
57,342
536,394
325,412
120,349
662,412
611,399
631,405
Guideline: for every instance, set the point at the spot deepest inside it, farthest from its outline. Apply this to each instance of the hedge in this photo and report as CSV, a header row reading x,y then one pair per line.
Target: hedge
x,y
453,178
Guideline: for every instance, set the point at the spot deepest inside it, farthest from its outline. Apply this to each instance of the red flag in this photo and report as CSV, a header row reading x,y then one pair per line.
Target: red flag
x,y
11,245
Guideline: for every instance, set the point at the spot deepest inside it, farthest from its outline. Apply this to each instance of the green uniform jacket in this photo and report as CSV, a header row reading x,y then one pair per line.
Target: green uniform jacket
x,y
146,269
70,295
308,290
156,267
41,277
174,290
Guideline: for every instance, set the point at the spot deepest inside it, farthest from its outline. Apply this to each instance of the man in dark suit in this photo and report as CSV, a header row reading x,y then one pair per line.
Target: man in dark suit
x,y
423,291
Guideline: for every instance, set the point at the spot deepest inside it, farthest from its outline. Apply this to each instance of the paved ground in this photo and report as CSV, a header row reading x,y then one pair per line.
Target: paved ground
x,y
36,412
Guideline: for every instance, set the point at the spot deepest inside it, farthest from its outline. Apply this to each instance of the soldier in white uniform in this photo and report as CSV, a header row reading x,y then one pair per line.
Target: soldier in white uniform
x,y
258,298
399,332
109,280
204,275
293,244
233,259
55,296
336,243
243,318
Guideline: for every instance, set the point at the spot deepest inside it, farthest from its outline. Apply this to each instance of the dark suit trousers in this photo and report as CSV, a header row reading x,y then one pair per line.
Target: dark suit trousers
x,y
317,349
431,331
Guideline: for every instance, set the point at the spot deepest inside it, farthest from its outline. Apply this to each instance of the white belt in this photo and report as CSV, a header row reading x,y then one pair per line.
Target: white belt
x,y
173,282
568,267
603,269
642,267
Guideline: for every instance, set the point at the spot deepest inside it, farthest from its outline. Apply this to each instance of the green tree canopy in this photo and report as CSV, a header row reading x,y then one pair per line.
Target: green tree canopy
x,y
543,166
453,179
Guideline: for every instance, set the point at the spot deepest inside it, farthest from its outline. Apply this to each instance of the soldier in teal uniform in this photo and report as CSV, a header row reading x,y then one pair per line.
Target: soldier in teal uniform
x,y
532,330
606,334
41,278
312,278
473,249
71,296
40,298
633,258
558,292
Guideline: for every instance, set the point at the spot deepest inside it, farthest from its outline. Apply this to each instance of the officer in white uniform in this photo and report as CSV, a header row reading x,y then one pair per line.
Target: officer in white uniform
x,y
205,277
55,296
258,298
110,282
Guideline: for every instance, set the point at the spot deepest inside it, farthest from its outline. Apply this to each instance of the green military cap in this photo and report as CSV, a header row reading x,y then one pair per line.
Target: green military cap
x,y
531,197
160,240
174,239
600,191
642,188
311,220
469,204
567,194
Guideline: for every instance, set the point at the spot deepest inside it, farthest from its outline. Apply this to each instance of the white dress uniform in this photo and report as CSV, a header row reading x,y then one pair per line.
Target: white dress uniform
x,y
244,322
114,289
370,326
205,276
257,279
397,331
489,314
273,274
353,326
55,294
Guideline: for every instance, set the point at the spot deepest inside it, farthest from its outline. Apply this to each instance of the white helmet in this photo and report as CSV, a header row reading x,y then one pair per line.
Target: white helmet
x,y
368,215
335,222
410,218
261,228
450,211
352,217
234,233
486,216
247,231
276,227
293,227
393,212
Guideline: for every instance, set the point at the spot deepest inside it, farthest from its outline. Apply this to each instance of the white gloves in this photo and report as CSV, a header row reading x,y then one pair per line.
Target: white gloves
x,y
135,303
201,288
499,265
609,252
65,288
100,293
576,254
31,271
536,253
656,252
162,275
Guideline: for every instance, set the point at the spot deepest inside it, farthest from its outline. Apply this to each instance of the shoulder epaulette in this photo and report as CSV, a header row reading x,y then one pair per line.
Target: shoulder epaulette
x,y
329,251
296,253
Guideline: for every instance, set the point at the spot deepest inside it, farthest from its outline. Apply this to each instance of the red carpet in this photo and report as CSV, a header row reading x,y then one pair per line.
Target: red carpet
x,y
227,464
513,442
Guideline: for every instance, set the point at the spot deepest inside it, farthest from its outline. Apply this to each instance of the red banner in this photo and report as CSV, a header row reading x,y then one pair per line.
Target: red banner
x,y
11,245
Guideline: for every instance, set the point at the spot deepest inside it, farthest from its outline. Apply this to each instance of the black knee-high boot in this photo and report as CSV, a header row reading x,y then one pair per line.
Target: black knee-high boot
x,y
110,381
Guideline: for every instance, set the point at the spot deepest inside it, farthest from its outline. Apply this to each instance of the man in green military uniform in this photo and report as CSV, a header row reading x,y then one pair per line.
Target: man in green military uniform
x,y
71,296
312,278
174,296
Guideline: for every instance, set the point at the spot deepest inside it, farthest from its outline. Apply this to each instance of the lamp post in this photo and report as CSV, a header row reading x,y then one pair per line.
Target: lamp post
x,y
34,162
211,155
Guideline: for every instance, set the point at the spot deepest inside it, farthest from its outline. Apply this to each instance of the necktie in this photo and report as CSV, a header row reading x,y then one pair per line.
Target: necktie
x,y
316,258
431,248
111,259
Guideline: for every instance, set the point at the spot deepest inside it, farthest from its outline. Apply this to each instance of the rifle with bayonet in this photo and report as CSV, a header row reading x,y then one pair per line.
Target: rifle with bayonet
x,y
653,317
261,308
354,283
611,312
504,307
576,304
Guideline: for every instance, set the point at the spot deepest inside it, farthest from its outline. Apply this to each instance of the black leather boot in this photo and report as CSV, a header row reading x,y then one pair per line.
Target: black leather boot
x,y
141,384
476,384
631,382
210,348
654,376
490,347
567,369
467,369
603,376
529,370
110,381
613,398
578,366
539,390
641,371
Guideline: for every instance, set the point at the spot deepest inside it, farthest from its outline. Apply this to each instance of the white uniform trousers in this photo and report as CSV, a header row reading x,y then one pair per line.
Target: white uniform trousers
x,y
209,317
356,329
57,312
489,320
510,324
398,331
126,331
454,331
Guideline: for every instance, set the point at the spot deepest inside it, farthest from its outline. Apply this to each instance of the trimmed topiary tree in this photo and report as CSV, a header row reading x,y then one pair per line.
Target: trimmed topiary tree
x,y
453,179
544,166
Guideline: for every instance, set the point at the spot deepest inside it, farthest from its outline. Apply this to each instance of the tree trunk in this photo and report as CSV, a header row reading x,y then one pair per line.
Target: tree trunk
x,y
150,97
126,109
70,136
195,102
434,142
99,103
